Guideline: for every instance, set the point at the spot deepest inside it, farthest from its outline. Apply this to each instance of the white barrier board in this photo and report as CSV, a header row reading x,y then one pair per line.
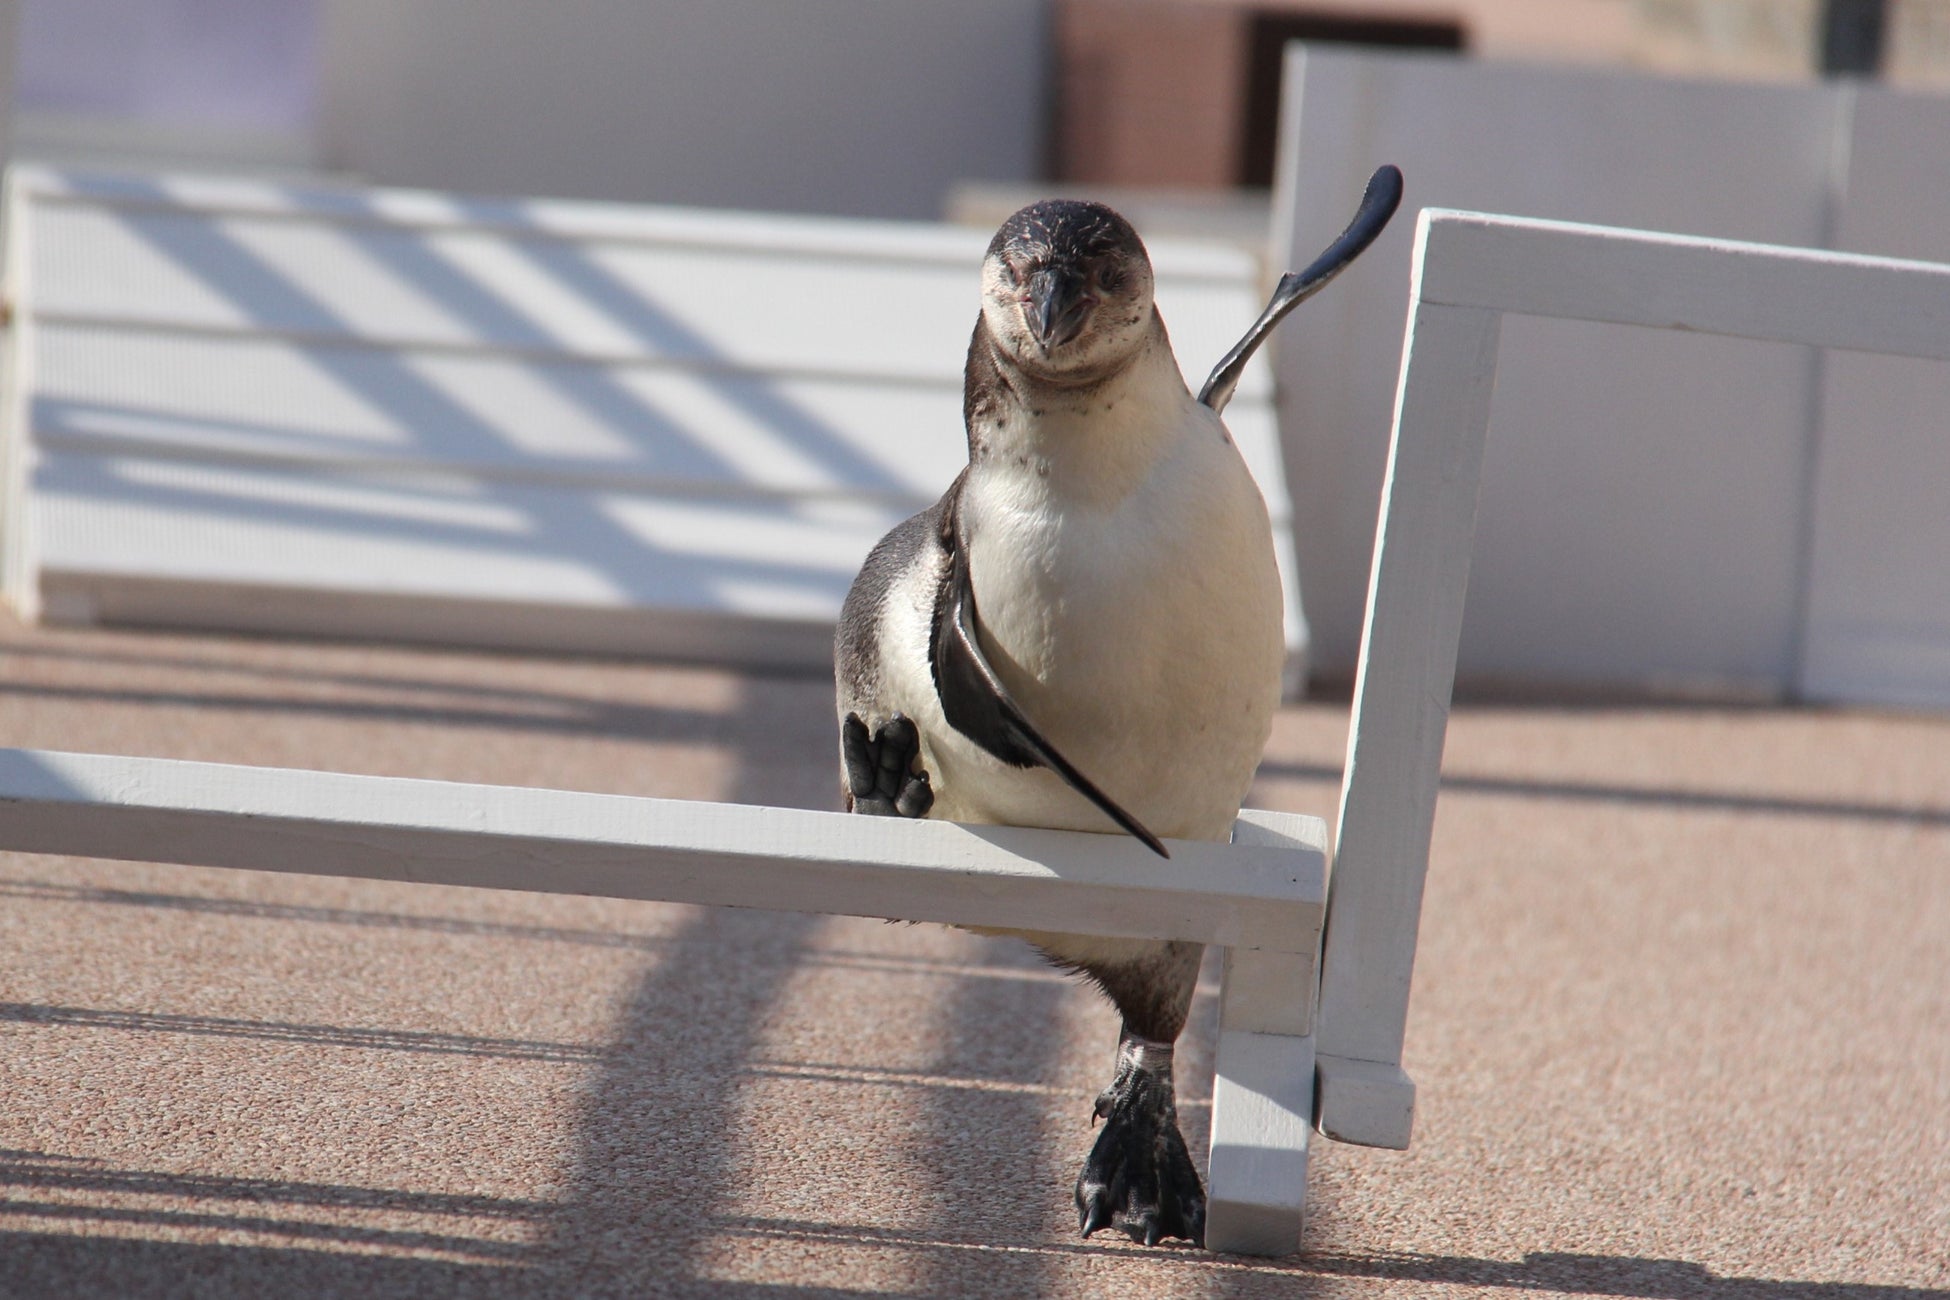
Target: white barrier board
x,y
573,426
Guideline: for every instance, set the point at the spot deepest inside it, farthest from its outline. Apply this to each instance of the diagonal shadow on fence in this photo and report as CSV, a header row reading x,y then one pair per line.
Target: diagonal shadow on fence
x,y
553,525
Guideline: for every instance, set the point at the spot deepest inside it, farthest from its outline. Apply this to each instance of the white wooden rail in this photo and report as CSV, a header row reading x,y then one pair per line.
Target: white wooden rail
x,y
671,850
1469,271
1261,898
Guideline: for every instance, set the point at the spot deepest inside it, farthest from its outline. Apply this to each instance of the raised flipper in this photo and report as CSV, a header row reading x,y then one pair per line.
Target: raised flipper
x,y
1378,204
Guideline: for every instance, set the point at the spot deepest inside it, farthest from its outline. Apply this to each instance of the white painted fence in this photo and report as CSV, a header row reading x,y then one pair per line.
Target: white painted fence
x,y
1469,273
1678,511
1877,607
564,426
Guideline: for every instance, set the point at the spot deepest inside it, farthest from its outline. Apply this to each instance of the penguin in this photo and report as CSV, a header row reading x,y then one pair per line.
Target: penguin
x,y
1086,631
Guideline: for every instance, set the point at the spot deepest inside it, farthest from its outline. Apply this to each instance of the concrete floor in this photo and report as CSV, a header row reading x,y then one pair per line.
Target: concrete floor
x,y
1681,1021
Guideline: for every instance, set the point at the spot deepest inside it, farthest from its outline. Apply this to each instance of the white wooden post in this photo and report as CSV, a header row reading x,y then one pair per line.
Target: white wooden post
x,y
1401,711
1263,1075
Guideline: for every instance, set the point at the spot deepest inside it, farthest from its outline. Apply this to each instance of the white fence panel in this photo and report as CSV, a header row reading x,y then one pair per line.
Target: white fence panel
x,y
534,424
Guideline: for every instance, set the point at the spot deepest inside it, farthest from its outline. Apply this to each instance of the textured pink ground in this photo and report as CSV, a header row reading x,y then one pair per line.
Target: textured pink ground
x,y
1681,1021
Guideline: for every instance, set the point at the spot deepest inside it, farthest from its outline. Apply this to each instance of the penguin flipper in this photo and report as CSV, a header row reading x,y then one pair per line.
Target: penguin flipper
x,y
977,704
1378,204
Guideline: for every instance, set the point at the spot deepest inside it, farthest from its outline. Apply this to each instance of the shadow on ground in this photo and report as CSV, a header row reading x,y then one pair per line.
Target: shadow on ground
x,y
51,1264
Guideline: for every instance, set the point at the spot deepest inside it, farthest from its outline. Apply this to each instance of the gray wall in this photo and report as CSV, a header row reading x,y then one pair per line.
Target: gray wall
x,y
1878,608
1642,512
1658,509
868,107
237,63
173,83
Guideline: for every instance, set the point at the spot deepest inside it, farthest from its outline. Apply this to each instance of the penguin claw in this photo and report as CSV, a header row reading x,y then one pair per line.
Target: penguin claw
x,y
884,777
1139,1174
1093,1210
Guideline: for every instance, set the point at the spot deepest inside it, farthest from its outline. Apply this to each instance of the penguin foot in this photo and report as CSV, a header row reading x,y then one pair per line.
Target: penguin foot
x,y
1139,1176
884,777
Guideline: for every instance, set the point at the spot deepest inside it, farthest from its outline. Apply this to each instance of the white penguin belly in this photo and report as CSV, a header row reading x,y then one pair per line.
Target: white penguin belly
x,y
1143,637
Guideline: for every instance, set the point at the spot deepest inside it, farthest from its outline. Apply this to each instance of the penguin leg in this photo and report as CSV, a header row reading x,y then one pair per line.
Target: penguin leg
x,y
1139,1176
884,777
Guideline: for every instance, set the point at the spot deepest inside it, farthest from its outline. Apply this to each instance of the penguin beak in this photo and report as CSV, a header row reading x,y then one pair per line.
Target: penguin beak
x,y
1056,307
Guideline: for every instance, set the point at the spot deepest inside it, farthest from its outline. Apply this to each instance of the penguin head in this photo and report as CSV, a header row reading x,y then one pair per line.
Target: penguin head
x,y
1066,290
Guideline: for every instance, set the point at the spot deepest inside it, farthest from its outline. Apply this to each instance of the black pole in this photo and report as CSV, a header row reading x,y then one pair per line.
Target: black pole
x,y
1851,37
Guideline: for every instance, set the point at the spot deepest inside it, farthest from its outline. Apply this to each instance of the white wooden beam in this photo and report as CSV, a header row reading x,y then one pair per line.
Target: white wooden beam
x,y
1712,286
1262,896
555,841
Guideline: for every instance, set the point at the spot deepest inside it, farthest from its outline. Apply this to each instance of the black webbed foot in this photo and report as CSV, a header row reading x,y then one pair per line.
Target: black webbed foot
x,y
883,772
1139,1176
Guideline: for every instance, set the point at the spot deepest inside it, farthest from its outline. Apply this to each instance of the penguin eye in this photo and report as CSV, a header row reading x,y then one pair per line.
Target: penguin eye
x,y
1110,279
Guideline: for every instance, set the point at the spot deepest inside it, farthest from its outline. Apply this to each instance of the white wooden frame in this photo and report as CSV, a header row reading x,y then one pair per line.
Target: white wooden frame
x,y
1813,477
1469,271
